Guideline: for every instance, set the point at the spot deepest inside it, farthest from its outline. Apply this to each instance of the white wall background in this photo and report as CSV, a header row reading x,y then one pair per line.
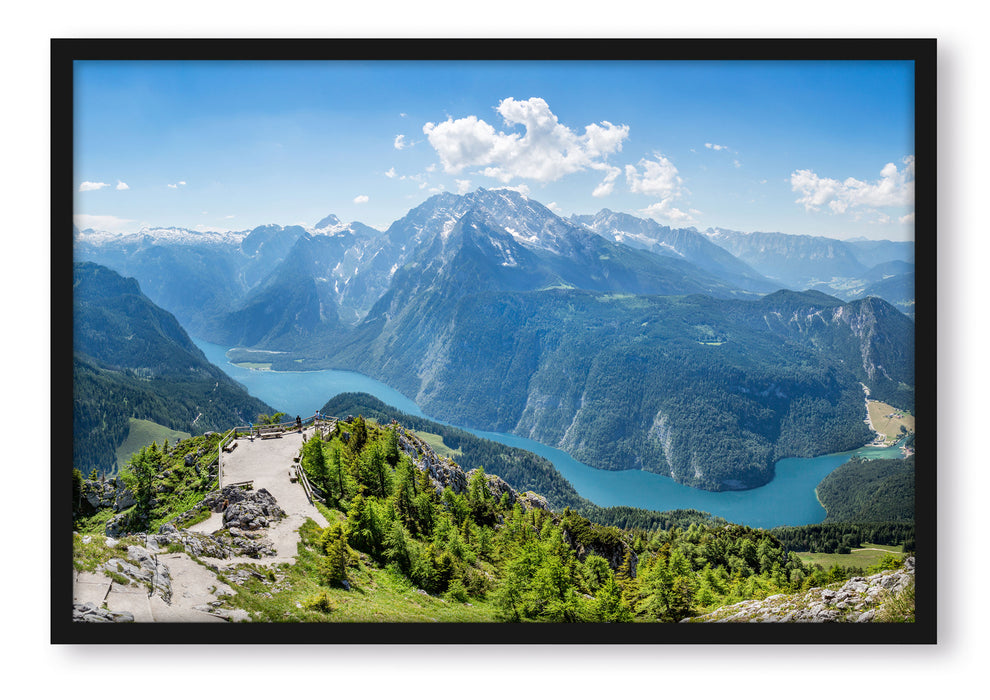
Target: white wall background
x,y
33,667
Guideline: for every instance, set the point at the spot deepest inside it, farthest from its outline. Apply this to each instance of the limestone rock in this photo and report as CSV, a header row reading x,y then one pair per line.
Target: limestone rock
x,y
256,510
99,494
89,612
141,567
857,600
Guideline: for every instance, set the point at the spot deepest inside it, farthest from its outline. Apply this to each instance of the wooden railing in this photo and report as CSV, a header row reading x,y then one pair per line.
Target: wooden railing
x,y
304,480
262,430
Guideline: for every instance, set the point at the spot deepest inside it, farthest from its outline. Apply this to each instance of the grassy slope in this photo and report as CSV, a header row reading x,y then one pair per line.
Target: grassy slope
x,y
891,427
293,594
142,433
862,558
439,446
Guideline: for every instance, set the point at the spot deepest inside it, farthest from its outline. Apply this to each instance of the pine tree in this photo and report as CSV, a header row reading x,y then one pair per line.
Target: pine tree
x,y
363,526
609,606
314,462
333,568
625,577
397,547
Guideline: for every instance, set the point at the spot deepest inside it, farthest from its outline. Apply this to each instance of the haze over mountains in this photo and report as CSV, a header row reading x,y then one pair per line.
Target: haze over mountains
x,y
132,359
626,343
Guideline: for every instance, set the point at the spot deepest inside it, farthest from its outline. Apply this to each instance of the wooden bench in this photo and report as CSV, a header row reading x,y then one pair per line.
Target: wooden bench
x,y
265,433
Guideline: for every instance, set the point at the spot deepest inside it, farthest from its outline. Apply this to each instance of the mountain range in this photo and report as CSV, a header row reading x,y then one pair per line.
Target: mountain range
x,y
626,343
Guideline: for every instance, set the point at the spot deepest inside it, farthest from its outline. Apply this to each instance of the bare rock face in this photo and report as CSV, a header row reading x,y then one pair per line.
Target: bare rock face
x,y
99,494
246,514
256,510
141,567
196,544
89,612
444,473
860,599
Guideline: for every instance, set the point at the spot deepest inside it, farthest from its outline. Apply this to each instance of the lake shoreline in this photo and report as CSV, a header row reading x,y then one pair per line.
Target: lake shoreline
x,y
788,499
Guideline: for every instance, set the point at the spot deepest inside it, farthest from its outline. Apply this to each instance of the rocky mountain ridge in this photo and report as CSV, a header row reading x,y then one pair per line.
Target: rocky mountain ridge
x,y
859,599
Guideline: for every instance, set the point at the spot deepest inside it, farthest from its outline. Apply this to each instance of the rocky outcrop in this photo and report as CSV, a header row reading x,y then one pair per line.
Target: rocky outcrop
x,y
860,599
245,514
222,544
89,612
252,510
529,500
107,493
446,473
141,567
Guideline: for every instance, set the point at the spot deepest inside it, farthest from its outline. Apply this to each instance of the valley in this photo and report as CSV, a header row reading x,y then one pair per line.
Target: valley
x,y
787,500
606,337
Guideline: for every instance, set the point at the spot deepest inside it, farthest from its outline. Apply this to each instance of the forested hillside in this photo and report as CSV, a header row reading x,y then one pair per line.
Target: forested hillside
x,y
133,360
471,544
412,537
523,470
710,392
878,490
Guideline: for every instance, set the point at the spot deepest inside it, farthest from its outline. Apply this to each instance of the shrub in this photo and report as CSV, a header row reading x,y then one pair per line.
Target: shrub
x,y
320,603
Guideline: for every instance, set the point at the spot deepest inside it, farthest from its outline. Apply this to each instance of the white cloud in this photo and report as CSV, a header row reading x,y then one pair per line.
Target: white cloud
x,y
522,189
716,147
665,213
608,184
735,162
400,142
361,199
545,151
390,172
177,185
90,186
102,222
659,178
229,216
554,207
122,185
895,188
463,186
907,218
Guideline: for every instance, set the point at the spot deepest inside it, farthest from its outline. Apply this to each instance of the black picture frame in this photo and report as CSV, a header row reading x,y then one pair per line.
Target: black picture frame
x,y
66,51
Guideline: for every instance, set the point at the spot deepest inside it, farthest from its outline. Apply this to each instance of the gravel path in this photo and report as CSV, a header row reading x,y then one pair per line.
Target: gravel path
x,y
267,463
194,587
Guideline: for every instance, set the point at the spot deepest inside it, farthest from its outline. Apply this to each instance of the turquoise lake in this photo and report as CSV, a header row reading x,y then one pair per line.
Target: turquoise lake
x,y
787,500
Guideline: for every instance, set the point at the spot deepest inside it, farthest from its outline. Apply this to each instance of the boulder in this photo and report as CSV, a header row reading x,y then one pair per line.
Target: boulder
x,y
256,510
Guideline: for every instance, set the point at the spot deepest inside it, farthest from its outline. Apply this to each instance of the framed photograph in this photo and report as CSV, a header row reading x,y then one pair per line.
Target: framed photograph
x,y
494,341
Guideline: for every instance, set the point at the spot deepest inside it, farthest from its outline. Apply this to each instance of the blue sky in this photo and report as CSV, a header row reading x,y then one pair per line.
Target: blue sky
x,y
805,148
